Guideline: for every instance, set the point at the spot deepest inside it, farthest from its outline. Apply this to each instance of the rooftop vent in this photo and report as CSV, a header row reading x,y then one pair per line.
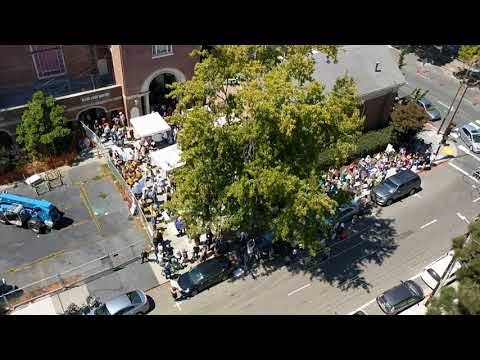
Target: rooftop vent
x,y
377,66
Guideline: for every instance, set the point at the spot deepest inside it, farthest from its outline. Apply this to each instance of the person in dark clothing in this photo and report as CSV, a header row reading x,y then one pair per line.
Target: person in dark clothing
x,y
144,256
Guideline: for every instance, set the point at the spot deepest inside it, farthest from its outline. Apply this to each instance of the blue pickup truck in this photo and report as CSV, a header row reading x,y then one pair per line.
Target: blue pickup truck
x,y
37,215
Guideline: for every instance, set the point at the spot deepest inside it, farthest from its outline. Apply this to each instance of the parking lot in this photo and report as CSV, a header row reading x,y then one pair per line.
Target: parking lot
x,y
96,222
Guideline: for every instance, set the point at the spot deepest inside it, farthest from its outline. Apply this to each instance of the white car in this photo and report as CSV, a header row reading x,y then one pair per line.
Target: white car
x,y
434,272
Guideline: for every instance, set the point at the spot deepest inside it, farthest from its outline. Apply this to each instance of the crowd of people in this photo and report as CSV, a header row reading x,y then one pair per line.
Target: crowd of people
x,y
360,176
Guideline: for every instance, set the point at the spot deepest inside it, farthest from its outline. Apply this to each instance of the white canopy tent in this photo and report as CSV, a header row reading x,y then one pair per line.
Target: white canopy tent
x,y
167,158
149,125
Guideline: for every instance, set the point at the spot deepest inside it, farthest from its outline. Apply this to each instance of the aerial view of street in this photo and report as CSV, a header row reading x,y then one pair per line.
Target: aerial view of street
x,y
239,179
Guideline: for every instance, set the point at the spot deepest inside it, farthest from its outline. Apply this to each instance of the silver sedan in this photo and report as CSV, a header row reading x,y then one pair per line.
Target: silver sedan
x,y
131,303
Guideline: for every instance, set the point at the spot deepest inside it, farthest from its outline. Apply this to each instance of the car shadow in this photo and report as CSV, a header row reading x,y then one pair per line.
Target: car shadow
x,y
370,240
63,223
151,304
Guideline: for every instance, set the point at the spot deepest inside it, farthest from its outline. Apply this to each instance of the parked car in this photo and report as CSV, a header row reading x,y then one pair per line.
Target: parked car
x,y
360,312
405,182
202,276
470,134
400,297
435,271
431,110
131,303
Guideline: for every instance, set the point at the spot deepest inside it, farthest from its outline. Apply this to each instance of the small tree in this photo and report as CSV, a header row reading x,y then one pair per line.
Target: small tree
x,y
401,59
407,120
469,53
43,129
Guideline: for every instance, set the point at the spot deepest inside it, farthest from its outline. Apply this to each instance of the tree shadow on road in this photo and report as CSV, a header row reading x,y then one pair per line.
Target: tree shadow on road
x,y
371,240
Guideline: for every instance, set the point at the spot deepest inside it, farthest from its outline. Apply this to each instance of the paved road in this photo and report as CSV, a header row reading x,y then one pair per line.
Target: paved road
x,y
408,236
442,88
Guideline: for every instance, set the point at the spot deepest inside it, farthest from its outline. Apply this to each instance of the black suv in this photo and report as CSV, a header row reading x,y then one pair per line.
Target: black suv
x,y
404,183
400,297
202,276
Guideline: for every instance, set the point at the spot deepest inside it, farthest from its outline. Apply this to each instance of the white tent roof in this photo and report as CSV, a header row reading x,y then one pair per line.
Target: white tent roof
x,y
167,158
40,307
148,125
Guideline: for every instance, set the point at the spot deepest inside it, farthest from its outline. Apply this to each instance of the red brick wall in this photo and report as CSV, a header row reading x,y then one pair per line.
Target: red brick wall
x,y
17,69
16,66
138,64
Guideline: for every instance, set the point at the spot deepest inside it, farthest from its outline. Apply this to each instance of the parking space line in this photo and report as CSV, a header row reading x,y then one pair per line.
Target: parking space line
x,y
418,196
299,289
462,217
462,171
428,224
416,275
477,199
468,152
177,304
363,306
441,103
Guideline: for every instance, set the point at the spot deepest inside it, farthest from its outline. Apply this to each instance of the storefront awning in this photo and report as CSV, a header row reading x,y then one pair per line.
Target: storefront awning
x,y
167,158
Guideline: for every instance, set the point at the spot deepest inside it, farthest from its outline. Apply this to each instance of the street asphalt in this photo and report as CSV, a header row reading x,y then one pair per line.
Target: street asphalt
x,y
409,235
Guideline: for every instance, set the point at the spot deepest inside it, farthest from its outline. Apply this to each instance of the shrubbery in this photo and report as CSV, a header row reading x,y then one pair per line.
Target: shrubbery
x,y
368,144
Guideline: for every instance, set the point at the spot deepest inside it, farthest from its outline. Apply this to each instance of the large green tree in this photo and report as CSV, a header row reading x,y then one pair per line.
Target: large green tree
x,y
465,298
43,129
470,54
252,150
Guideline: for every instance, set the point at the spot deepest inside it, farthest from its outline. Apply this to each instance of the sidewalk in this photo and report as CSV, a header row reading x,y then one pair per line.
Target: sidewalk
x,y
447,151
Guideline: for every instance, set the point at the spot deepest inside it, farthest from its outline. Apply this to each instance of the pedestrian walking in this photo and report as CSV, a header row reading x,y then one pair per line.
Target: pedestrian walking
x,y
155,251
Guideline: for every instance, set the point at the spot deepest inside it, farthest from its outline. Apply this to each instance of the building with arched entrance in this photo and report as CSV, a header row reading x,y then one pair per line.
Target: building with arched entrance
x,y
144,71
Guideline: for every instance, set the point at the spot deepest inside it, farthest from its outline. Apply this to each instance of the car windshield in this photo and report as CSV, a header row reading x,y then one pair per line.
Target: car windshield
x,y
433,274
134,297
414,289
387,306
102,310
390,185
476,138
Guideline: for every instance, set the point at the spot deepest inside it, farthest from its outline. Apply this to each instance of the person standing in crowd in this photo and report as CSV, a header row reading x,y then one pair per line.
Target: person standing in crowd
x,y
121,117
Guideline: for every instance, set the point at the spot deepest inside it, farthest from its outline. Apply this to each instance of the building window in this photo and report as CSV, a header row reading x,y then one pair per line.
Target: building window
x,y
161,50
48,60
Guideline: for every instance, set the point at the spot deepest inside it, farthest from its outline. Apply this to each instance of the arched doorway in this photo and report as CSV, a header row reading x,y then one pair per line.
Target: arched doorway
x,y
89,116
156,86
6,142
158,94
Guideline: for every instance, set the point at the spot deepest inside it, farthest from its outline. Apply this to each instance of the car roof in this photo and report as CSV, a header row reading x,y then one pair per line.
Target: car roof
x,y
118,303
473,127
403,176
212,265
397,294
441,264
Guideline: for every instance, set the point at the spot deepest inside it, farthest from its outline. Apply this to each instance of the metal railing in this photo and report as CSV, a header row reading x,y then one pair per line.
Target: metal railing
x,y
123,186
73,277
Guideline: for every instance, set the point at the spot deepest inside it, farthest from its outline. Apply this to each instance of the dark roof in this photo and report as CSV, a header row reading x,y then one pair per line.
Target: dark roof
x,y
358,61
397,294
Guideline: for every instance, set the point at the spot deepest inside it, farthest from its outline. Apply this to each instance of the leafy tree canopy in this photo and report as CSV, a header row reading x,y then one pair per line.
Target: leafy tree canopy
x,y
252,149
43,126
465,298
470,54
408,119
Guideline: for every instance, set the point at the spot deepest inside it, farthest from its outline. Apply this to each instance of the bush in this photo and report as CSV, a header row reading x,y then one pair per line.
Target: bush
x,y
368,144
407,120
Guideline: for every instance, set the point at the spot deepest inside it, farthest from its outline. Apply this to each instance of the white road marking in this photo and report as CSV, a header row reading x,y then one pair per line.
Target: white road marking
x,y
463,171
455,136
428,224
462,217
477,199
177,304
299,289
418,196
441,103
468,152
363,306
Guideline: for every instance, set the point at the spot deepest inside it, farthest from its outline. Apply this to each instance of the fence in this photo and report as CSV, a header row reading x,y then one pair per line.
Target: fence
x,y
123,186
81,274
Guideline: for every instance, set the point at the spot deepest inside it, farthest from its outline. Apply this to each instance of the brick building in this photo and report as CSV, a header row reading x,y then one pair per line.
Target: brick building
x,y
89,80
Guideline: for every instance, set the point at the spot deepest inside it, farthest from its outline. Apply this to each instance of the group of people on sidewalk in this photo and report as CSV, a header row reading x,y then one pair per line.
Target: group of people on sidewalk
x,y
360,176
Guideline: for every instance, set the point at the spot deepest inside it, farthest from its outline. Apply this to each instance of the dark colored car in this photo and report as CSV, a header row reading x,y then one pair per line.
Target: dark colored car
x,y
404,183
202,276
429,108
400,297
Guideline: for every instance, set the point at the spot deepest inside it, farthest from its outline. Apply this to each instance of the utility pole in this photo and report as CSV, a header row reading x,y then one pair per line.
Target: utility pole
x,y
449,109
